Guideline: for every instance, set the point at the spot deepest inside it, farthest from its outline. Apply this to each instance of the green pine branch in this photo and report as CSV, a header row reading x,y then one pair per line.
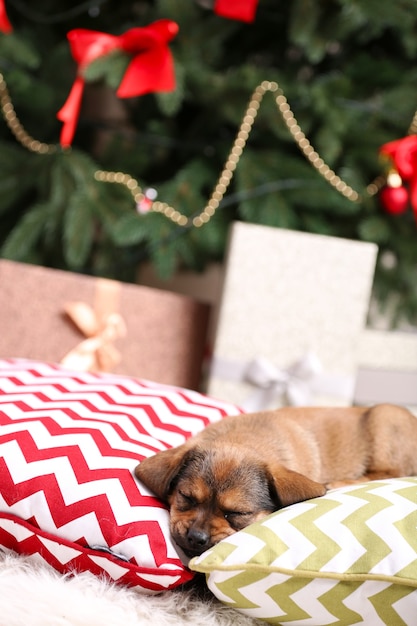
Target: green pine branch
x,y
347,67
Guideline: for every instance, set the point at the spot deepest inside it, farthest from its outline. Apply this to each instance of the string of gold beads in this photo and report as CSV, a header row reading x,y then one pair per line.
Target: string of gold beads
x,y
16,127
230,165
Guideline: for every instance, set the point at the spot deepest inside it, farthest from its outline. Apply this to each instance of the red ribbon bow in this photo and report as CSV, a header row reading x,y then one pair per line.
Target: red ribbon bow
x,y
243,10
151,68
403,156
5,26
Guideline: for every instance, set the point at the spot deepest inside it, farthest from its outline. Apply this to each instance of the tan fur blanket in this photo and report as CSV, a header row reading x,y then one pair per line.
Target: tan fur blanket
x,y
33,594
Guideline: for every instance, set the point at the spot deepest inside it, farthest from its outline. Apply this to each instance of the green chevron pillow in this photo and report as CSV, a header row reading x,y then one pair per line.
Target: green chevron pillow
x,y
349,557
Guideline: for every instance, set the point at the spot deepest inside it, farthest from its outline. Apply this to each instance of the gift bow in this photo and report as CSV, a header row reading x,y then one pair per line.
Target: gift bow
x,y
296,383
272,382
243,10
151,68
403,155
96,353
5,26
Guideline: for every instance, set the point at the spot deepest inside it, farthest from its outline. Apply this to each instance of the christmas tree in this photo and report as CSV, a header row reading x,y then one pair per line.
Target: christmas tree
x,y
347,69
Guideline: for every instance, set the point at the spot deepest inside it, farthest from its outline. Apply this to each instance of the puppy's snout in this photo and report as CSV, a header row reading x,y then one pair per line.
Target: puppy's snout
x,y
198,540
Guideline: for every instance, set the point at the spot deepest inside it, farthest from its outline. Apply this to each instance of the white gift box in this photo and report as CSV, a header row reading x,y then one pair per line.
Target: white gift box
x,y
387,368
292,310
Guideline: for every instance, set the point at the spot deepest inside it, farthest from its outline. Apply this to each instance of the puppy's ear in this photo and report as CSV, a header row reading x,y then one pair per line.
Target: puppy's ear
x,y
291,487
157,472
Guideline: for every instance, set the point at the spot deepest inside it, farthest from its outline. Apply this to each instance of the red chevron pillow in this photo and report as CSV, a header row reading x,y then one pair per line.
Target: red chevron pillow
x,y
68,445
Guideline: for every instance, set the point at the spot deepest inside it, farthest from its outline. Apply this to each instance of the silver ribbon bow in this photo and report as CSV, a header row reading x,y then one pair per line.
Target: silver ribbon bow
x,y
294,385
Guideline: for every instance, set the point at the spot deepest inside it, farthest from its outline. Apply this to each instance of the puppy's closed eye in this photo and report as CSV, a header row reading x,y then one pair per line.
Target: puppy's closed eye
x,y
238,519
186,502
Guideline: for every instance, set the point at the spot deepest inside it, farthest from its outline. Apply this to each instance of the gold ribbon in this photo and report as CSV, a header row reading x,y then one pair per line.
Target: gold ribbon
x,y
101,325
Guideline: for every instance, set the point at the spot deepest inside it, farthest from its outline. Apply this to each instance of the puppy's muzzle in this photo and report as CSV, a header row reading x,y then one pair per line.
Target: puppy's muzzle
x,y
196,541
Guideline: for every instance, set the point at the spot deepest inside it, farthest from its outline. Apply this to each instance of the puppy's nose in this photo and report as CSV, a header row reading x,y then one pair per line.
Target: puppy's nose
x,y
198,539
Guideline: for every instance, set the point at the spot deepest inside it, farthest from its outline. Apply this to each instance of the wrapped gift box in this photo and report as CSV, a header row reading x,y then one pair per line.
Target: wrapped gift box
x,y
292,309
387,368
148,333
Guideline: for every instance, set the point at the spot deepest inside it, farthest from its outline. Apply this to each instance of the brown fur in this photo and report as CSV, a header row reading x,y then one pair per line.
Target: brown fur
x,y
242,468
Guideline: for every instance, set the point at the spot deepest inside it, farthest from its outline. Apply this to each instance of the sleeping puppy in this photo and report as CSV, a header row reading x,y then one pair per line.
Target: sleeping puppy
x,y
244,467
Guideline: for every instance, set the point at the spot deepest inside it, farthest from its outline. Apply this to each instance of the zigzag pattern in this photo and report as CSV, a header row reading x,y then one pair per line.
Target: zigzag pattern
x,y
69,443
349,557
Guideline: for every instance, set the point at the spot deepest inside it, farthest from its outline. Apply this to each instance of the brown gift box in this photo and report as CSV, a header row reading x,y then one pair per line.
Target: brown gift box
x,y
165,332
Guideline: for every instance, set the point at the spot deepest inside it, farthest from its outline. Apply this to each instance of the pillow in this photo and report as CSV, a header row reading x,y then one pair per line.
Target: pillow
x,y
348,557
69,443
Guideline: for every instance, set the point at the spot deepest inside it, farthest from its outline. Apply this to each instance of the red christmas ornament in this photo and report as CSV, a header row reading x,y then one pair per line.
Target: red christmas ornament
x,y
402,156
243,10
394,199
5,26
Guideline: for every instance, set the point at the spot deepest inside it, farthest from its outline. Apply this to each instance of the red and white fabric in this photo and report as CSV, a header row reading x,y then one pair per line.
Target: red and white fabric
x,y
69,443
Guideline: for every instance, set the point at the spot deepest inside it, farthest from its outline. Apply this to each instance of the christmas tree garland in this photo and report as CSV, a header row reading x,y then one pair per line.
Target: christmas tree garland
x,y
151,69
396,154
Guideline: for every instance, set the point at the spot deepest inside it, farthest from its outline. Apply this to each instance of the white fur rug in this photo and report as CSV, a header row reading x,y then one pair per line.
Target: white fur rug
x,y
33,594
